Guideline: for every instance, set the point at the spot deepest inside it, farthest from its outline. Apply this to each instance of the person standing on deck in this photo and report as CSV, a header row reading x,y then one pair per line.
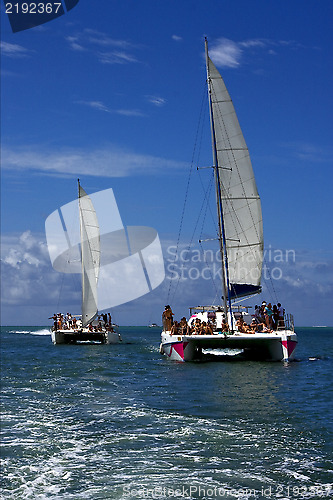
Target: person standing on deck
x,y
167,318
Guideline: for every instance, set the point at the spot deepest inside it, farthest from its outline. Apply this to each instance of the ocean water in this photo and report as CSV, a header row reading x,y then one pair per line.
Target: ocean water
x,y
122,421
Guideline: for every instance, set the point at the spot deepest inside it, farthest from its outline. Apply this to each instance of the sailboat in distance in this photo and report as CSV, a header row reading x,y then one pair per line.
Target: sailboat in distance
x,y
241,244
87,327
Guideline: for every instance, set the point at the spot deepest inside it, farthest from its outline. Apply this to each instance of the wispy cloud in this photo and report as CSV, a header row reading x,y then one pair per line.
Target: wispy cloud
x,y
107,50
116,57
157,101
230,54
109,161
306,151
177,38
129,112
14,50
100,106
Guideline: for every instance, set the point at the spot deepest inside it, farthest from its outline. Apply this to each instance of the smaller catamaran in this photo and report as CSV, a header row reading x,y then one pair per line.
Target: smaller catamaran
x,y
240,232
87,327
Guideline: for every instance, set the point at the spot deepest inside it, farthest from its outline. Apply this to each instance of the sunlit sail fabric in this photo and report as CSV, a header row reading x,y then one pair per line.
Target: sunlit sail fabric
x,y
90,252
240,200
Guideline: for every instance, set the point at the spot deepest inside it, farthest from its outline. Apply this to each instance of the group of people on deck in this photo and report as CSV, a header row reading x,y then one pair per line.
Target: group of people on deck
x,y
265,320
65,322
69,322
104,323
271,317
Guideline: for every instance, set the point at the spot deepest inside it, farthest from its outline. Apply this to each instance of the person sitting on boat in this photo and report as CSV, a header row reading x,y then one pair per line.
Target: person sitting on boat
x,y
253,327
74,322
167,318
203,327
253,324
225,326
174,328
241,326
197,327
209,329
110,322
90,327
189,330
183,325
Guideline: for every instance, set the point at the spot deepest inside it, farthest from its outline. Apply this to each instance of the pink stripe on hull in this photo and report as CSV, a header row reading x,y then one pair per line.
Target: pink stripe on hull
x,y
179,348
290,346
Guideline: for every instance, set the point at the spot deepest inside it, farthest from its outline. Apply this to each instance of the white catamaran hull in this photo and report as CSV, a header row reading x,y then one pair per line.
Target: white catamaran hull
x,y
78,336
275,346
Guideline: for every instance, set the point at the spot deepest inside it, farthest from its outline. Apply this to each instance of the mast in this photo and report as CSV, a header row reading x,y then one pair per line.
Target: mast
x,y
222,238
81,251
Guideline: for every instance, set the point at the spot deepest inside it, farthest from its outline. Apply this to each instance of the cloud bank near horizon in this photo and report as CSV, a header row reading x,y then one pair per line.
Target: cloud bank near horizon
x,y
29,281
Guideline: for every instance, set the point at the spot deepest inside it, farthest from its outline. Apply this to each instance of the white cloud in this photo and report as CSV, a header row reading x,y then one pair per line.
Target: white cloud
x,y
28,279
157,101
107,50
26,270
100,106
13,50
109,161
230,54
177,38
225,53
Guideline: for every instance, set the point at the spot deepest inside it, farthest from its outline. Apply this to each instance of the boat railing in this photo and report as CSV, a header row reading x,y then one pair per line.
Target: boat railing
x,y
287,323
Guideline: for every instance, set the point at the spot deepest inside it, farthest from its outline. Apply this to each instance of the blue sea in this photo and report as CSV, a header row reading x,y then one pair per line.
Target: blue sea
x,y
121,421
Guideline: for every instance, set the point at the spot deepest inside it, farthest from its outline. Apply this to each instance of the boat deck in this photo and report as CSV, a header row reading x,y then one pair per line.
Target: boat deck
x,y
277,345
84,336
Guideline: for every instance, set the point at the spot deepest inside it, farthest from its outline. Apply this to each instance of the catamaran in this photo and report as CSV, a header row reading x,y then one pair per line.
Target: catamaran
x,y
240,234
87,327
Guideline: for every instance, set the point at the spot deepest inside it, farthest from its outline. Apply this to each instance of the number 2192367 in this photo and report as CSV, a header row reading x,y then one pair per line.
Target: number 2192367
x,y
32,8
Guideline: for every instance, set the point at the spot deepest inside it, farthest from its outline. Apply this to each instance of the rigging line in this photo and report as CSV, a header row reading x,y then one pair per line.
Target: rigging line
x,y
188,184
270,281
211,274
207,195
191,239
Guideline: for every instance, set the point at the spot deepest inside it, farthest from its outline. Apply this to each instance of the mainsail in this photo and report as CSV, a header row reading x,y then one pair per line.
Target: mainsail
x,y
90,254
240,201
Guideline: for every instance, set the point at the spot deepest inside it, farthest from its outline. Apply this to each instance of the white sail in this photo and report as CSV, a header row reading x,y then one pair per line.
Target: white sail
x,y
240,200
90,252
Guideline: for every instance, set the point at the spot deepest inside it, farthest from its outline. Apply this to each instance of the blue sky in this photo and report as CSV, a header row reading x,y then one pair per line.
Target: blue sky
x,y
112,93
